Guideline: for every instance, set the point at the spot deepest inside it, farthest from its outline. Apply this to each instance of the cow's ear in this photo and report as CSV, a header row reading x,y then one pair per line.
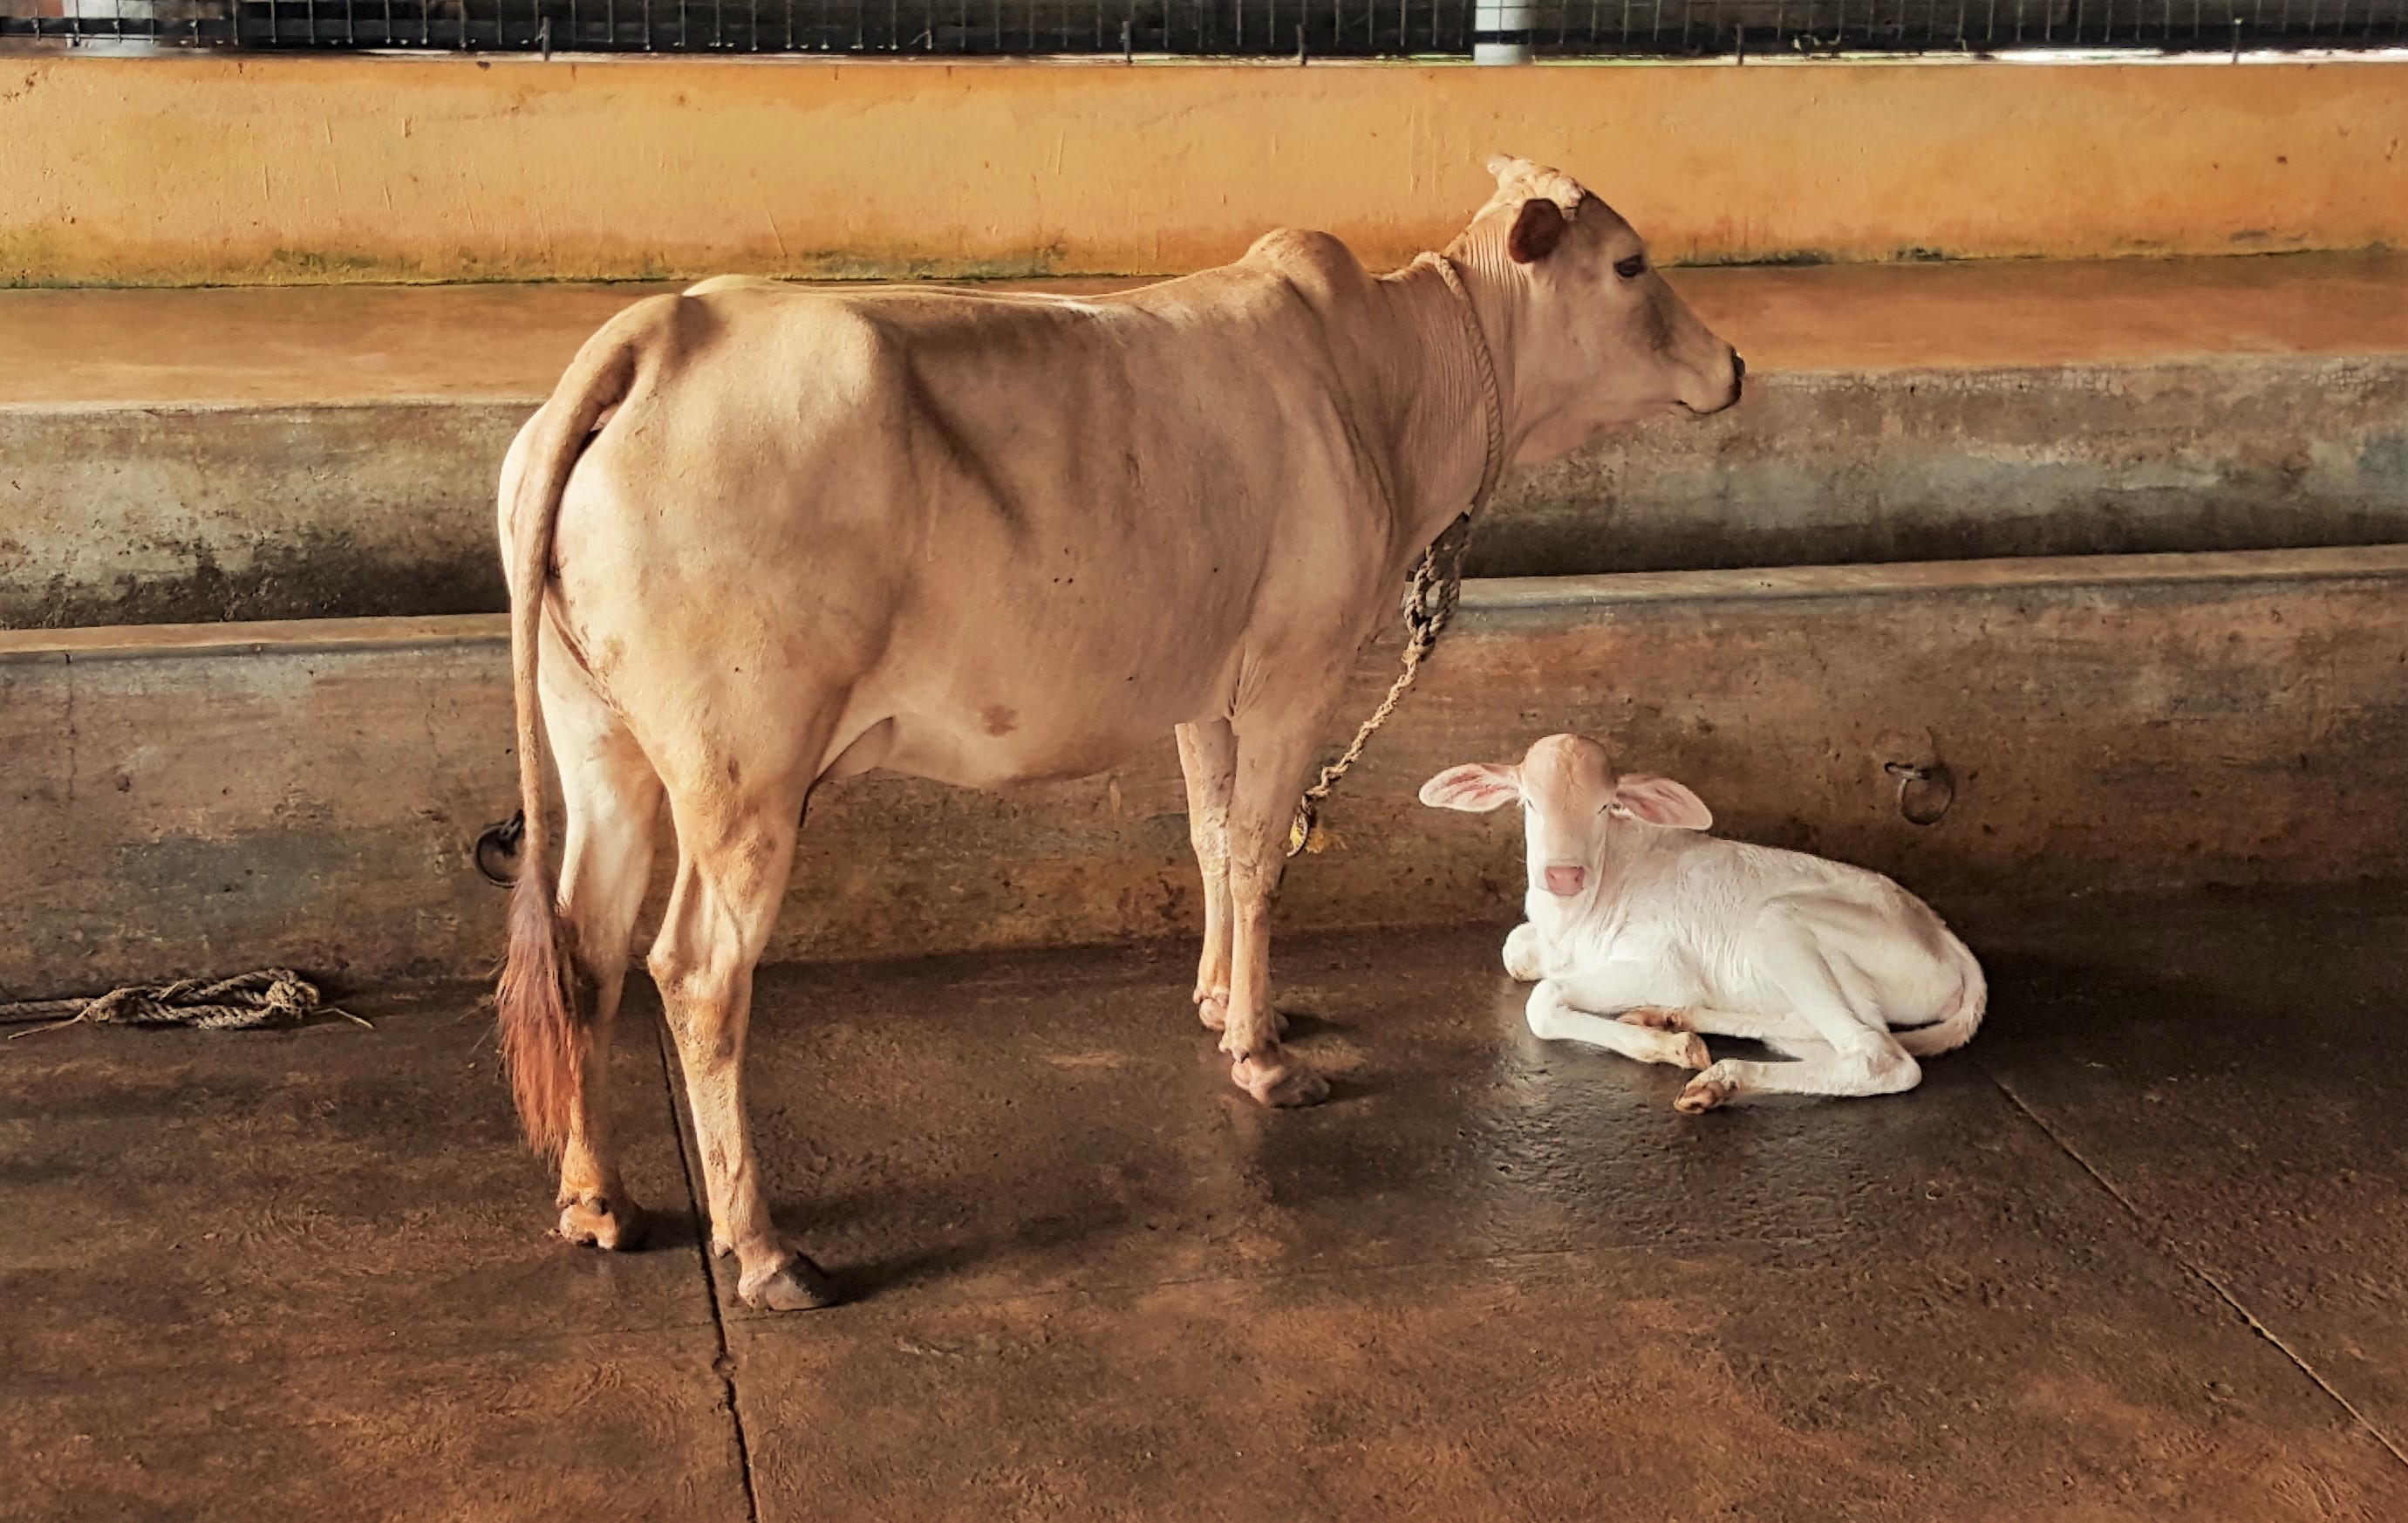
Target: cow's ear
x,y
1537,229
1659,800
1475,787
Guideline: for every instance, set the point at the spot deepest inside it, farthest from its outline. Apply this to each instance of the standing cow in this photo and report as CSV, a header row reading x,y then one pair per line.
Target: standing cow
x,y
762,537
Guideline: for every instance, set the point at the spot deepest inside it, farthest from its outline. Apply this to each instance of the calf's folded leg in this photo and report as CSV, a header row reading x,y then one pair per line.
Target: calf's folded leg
x,y
1553,1017
1851,1053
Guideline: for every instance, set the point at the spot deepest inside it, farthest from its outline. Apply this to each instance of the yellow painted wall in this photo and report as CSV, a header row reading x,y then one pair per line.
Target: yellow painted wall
x,y
212,169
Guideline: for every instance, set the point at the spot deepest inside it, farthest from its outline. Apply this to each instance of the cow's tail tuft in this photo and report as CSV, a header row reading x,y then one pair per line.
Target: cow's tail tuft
x,y
537,1001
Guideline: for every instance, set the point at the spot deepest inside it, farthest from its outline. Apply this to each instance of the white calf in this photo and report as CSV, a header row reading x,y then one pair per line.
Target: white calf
x,y
1634,913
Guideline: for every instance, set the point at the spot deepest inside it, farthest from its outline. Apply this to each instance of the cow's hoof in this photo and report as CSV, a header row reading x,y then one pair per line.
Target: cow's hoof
x,y
1283,1082
615,1223
1213,1011
1706,1092
1696,1057
791,1283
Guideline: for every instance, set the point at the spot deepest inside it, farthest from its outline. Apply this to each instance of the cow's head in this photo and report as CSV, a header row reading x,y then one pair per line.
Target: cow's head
x,y
1597,340
1573,806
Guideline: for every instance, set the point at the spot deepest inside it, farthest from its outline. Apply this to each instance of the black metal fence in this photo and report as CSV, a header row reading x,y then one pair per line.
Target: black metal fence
x,y
1220,28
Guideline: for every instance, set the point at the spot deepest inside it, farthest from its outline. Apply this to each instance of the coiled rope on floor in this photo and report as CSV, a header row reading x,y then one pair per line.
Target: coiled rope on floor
x,y
238,1003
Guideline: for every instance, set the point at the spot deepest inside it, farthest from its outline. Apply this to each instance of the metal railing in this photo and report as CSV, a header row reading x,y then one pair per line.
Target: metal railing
x,y
1219,28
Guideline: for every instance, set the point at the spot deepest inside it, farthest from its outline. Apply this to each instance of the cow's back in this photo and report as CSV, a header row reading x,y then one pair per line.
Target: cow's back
x,y
1039,529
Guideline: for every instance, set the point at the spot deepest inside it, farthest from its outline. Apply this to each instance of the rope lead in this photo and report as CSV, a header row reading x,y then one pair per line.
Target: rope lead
x,y
226,1004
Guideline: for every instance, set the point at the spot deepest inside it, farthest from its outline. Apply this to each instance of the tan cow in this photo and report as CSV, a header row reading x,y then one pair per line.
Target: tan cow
x,y
785,535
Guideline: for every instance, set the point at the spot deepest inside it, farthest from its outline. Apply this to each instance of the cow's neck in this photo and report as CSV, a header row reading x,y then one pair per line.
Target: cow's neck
x,y
1443,401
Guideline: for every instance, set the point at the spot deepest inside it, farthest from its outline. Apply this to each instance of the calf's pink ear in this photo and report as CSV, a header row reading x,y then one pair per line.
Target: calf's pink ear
x,y
1659,800
1475,787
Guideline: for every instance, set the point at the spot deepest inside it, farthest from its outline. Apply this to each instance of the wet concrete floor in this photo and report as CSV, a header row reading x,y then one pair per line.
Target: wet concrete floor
x,y
2138,1253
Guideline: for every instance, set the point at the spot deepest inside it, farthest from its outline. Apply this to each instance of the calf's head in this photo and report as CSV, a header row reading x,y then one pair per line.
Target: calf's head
x,y
1572,806
1597,340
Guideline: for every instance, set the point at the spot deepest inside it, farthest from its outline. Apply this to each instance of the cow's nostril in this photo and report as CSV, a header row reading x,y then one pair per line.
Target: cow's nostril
x,y
1739,367
1565,882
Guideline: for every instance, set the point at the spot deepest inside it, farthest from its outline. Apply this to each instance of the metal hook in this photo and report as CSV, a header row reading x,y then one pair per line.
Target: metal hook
x,y
500,842
1935,781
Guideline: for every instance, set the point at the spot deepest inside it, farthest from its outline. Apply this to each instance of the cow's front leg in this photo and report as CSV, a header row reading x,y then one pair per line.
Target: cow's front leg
x,y
1208,758
1269,769
720,913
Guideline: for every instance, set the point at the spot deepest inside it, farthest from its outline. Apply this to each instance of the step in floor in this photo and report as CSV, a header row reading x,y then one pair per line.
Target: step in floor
x,y
184,455
311,345
2140,1252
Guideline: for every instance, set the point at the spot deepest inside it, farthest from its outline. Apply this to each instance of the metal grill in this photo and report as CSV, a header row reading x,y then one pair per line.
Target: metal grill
x,y
1221,28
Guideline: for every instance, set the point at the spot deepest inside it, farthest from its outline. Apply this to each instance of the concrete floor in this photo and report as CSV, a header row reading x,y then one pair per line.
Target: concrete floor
x,y
2137,1253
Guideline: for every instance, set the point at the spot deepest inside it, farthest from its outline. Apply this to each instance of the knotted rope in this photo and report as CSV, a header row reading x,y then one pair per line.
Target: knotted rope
x,y
225,1005
1437,583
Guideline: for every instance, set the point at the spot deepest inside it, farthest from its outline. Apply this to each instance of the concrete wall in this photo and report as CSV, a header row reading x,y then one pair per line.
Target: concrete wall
x,y
214,169
142,514
165,514
187,800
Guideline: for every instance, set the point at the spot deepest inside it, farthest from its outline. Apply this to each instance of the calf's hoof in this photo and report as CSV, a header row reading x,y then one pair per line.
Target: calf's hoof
x,y
613,1223
1282,1082
1706,1092
791,1283
1654,1018
1521,954
1696,1057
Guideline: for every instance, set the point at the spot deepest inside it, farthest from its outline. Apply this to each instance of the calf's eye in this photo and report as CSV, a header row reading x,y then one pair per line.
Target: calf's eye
x,y
1632,268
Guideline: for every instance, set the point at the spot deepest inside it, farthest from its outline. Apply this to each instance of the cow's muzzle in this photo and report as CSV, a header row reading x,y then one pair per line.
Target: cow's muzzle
x,y
1565,881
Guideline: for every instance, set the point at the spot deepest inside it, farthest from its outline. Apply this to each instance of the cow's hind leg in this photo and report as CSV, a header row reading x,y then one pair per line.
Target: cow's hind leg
x,y
612,800
733,855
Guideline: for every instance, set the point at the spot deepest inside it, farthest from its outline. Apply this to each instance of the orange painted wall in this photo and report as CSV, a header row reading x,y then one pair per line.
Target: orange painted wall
x,y
219,169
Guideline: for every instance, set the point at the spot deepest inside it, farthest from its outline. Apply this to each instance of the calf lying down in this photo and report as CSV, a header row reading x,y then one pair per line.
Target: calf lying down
x,y
1636,915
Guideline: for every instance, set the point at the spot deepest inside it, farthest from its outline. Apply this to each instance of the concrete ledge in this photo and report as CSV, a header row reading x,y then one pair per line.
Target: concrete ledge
x,y
144,514
127,515
171,455
293,169
182,800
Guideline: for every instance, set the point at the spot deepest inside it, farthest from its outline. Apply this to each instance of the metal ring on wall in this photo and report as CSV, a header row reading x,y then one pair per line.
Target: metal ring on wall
x,y
1924,792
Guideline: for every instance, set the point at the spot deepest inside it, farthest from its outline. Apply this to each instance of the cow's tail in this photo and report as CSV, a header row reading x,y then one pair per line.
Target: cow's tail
x,y
535,1001
1958,1026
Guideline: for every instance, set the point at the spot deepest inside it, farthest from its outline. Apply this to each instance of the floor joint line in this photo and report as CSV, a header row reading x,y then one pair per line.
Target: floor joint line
x,y
2199,1273
724,1364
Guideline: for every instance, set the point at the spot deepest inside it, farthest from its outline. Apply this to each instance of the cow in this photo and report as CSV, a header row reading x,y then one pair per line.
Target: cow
x,y
764,538
1644,931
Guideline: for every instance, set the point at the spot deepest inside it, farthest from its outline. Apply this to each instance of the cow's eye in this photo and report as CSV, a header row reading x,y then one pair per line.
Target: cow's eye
x,y
1632,268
